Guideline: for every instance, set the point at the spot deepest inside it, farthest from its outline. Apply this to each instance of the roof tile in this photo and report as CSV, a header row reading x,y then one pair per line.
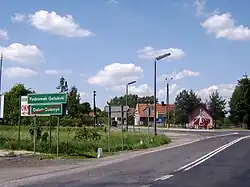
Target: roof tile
x,y
160,108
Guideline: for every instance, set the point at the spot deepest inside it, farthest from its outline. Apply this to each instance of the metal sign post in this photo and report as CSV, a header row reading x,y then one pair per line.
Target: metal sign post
x,y
122,127
115,112
34,135
109,124
57,140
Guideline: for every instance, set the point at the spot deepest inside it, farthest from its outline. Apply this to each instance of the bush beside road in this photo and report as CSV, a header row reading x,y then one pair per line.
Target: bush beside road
x,y
77,141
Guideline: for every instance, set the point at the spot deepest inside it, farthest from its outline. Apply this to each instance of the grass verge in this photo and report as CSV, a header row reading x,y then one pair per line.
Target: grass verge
x,y
79,142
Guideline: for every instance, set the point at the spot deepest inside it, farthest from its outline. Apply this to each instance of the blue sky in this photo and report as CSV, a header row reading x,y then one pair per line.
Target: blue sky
x,y
103,44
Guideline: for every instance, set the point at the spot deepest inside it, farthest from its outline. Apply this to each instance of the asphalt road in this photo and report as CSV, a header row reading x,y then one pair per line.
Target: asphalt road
x,y
146,170
229,168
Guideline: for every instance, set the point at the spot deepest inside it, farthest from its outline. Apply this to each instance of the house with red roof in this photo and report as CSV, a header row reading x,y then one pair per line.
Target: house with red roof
x,y
200,117
141,118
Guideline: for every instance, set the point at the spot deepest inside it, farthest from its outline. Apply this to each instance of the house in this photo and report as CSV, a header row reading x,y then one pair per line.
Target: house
x,y
141,117
117,120
200,117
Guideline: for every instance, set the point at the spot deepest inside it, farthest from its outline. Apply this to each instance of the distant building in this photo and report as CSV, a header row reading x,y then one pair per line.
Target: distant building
x,y
117,120
200,117
140,116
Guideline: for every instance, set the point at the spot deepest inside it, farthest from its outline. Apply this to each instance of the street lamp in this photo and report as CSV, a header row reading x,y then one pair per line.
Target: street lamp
x,y
157,59
167,98
132,82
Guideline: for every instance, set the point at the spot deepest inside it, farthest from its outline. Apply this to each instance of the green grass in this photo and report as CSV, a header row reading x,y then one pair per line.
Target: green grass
x,y
86,143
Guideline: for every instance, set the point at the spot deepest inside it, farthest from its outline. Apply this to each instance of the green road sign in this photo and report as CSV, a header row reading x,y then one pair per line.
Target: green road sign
x,y
58,98
46,110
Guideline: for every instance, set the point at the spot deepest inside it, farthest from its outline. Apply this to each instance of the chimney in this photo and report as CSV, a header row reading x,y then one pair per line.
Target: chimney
x,y
162,103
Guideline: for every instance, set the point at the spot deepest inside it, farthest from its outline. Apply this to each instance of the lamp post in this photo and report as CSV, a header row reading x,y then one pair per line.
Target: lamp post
x,y
127,85
167,99
157,59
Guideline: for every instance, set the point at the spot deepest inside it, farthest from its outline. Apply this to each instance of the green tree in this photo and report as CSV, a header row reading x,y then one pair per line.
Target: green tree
x,y
217,106
63,85
84,108
235,113
185,102
11,103
132,100
73,102
240,102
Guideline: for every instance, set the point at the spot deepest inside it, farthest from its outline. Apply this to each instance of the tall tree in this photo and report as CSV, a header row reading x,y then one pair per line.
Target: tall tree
x,y
217,106
63,85
240,102
73,102
185,102
11,103
132,100
236,114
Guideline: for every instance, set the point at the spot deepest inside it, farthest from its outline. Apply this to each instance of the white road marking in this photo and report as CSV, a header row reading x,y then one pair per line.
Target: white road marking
x,y
203,157
165,177
187,143
210,154
56,173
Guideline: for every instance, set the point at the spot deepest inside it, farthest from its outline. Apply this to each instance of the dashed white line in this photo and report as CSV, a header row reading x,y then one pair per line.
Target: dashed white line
x,y
165,177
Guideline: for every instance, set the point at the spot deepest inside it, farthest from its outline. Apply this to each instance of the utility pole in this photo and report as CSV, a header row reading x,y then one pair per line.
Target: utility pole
x,y
167,100
155,99
155,128
127,85
95,117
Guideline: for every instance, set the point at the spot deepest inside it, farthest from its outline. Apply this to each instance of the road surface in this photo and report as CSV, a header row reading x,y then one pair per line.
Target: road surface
x,y
228,166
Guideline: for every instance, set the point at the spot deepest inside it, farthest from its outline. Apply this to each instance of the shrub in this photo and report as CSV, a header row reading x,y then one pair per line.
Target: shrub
x,y
83,141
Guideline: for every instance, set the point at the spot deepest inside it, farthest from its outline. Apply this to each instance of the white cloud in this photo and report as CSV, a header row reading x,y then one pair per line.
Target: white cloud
x,y
23,54
59,25
224,26
3,35
83,95
200,8
14,72
147,90
174,89
180,75
18,17
150,53
57,72
140,90
225,90
117,74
